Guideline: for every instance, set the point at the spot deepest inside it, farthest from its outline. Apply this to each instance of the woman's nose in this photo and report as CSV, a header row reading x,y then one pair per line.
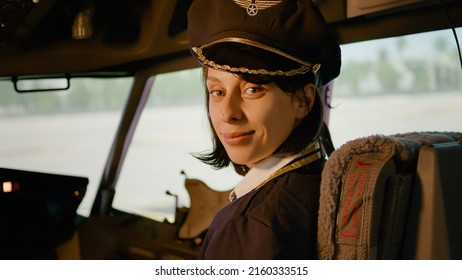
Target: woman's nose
x,y
232,110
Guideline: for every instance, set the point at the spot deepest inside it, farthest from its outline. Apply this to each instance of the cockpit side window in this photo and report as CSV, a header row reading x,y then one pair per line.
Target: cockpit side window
x,y
400,84
62,131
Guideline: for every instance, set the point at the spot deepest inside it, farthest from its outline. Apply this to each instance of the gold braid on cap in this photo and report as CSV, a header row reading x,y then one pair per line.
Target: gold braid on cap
x,y
304,68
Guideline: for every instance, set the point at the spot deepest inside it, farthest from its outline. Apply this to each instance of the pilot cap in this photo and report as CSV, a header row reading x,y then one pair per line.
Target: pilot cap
x,y
272,37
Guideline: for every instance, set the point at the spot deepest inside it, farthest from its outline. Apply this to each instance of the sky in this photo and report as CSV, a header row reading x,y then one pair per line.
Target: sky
x,y
418,45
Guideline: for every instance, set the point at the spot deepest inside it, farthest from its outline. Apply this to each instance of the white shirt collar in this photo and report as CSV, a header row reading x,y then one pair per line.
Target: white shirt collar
x,y
258,174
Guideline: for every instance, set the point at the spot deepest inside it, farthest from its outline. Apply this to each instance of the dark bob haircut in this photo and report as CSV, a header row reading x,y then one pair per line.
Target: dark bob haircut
x,y
304,134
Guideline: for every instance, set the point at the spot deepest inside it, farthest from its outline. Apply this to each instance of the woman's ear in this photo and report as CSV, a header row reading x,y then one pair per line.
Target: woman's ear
x,y
305,100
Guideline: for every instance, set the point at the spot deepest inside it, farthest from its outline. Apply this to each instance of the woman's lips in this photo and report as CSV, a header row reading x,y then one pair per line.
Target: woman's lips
x,y
237,138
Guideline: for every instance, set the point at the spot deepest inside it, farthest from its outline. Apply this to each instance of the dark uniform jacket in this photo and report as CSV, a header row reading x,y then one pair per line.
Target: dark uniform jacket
x,y
275,221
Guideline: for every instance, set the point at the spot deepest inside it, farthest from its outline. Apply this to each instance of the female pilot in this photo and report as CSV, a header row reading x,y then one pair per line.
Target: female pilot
x,y
264,62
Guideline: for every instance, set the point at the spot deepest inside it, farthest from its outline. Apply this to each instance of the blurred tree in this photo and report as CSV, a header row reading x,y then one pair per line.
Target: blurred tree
x,y
386,73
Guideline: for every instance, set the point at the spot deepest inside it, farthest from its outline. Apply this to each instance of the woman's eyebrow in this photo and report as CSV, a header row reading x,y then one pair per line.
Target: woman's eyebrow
x,y
212,79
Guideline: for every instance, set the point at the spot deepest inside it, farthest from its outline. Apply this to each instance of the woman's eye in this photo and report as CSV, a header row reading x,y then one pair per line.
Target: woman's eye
x,y
216,93
253,91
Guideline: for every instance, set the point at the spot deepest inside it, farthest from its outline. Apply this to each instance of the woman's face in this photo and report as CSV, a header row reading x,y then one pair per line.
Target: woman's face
x,y
251,120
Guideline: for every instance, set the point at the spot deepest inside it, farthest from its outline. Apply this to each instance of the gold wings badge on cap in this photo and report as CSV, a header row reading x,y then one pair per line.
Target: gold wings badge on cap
x,y
253,6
